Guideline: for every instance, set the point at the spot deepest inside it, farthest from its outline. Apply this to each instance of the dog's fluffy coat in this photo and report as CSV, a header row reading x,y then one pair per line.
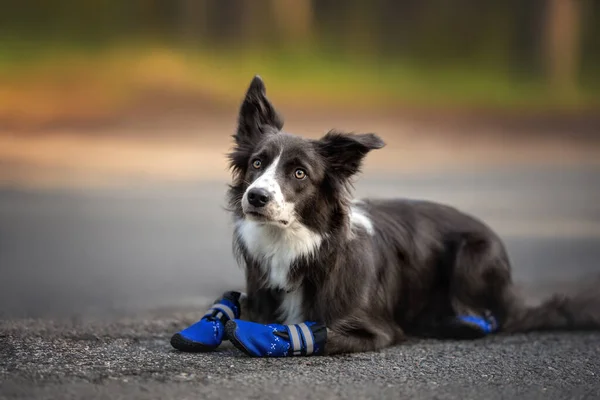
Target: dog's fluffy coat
x,y
373,270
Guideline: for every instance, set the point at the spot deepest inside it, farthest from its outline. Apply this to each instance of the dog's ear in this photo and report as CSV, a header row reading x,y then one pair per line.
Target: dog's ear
x,y
344,152
257,114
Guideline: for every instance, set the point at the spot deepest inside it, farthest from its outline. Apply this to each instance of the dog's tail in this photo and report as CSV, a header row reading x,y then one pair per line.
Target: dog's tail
x,y
578,312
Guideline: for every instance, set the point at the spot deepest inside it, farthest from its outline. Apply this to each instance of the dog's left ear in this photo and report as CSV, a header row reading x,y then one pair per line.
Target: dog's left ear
x,y
344,152
257,114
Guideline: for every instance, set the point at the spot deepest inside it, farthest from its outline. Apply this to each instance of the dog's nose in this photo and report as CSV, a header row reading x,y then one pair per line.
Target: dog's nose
x,y
258,197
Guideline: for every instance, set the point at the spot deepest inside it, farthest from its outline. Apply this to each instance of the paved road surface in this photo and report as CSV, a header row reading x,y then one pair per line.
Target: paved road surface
x,y
93,283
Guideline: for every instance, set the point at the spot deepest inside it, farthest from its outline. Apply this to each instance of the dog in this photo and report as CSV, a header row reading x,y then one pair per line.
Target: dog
x,y
329,274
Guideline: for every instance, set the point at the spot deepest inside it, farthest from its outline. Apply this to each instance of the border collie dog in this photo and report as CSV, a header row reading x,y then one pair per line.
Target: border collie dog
x,y
328,274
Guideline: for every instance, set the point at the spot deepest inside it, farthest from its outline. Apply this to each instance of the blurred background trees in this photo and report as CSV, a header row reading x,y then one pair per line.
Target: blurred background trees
x,y
517,54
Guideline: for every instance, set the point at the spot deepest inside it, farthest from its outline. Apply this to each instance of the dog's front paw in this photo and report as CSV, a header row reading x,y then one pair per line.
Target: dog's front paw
x,y
274,340
208,333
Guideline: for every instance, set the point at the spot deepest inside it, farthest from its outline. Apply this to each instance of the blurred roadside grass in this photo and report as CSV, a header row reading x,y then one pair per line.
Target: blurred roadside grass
x,y
46,83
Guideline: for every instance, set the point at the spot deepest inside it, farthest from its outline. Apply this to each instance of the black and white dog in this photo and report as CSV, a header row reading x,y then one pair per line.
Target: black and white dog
x,y
330,274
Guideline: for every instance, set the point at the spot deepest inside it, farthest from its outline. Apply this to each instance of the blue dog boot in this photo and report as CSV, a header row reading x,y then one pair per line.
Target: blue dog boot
x,y
208,333
473,327
274,340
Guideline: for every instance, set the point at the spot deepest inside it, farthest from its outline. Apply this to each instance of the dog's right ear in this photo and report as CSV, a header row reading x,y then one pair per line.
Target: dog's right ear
x,y
257,114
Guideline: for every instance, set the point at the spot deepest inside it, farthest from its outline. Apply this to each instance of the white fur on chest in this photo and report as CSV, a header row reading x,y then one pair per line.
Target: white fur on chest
x,y
291,311
276,249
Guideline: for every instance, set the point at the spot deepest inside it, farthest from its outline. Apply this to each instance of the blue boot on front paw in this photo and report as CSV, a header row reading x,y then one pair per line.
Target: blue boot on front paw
x,y
274,340
208,333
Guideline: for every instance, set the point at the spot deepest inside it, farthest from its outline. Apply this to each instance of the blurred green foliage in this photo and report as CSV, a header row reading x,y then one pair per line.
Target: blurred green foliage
x,y
515,54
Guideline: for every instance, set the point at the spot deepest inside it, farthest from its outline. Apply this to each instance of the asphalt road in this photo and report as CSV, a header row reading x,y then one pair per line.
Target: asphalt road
x,y
93,283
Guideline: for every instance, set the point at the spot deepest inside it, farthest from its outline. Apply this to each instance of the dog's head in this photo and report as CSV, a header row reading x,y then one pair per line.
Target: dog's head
x,y
282,179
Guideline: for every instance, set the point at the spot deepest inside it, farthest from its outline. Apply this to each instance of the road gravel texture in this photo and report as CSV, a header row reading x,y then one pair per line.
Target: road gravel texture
x,y
131,358
94,283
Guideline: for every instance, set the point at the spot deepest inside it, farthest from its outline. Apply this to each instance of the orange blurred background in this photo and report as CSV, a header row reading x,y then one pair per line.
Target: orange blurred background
x,y
106,92
115,118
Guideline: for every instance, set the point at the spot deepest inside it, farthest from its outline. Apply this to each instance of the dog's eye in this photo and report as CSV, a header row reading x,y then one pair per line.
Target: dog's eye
x,y
256,164
300,173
